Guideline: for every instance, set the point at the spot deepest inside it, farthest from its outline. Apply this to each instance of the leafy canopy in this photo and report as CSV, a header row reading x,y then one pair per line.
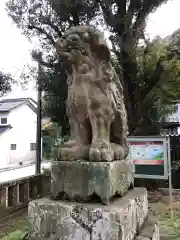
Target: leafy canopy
x,y
148,72
5,83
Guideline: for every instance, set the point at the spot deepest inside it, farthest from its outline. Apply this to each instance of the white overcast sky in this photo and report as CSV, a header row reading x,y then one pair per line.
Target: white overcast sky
x,y
15,48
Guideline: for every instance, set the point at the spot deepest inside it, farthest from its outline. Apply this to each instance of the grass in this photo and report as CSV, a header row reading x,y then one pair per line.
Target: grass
x,y
169,226
14,229
16,235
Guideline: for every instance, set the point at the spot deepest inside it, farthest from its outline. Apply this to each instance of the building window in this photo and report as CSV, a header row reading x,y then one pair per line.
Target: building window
x,y
32,146
3,120
13,146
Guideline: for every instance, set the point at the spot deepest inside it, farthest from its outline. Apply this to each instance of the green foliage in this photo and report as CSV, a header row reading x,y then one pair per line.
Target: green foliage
x,y
5,83
55,99
155,103
164,88
173,226
167,86
50,136
149,73
53,137
169,226
16,235
15,229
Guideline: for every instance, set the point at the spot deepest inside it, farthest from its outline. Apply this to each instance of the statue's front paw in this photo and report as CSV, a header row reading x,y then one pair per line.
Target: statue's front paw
x,y
70,143
63,154
101,151
74,153
119,151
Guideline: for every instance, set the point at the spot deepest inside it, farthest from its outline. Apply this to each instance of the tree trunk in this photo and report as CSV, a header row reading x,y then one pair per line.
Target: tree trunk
x,y
131,86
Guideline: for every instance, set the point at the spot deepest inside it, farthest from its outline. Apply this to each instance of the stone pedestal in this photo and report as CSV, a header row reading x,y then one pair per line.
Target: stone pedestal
x,y
81,181
149,230
70,214
121,220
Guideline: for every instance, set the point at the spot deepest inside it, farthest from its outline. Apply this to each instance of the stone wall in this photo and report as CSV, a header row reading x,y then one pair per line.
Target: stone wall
x,y
16,194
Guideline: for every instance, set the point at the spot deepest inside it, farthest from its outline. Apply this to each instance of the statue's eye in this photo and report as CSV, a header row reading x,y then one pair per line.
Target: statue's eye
x,y
74,38
86,37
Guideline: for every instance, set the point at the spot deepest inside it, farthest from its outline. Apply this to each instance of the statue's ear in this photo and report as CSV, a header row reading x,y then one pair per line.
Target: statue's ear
x,y
99,46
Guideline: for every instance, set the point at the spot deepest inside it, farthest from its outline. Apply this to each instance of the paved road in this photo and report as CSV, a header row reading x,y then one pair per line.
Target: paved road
x,y
21,172
16,166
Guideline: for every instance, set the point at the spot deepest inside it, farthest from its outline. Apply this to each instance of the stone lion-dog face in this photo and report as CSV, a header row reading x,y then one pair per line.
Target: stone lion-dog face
x,y
95,103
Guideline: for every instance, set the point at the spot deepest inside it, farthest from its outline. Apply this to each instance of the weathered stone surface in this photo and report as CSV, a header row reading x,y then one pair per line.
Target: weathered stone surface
x,y
149,230
121,220
79,180
95,101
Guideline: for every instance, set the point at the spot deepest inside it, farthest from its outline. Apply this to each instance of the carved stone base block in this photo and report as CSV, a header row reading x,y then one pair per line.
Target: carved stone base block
x,y
80,180
121,220
149,230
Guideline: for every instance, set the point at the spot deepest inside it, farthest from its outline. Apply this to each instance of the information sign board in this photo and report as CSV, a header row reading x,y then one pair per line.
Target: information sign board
x,y
151,159
149,156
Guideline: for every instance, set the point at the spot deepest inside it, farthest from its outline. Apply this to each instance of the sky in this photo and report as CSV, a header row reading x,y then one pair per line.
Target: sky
x,y
15,48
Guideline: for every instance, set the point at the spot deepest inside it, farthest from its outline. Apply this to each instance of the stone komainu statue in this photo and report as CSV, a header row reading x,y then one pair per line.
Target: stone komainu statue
x,y
95,104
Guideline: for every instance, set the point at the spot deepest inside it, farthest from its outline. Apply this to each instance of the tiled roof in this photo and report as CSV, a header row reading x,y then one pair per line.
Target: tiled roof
x,y
7,105
4,128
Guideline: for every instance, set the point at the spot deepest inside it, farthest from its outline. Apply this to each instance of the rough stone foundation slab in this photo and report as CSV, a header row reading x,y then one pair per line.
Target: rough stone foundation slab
x,y
79,180
149,230
121,220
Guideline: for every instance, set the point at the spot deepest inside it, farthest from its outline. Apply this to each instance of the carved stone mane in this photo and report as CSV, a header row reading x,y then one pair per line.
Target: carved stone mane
x,y
95,104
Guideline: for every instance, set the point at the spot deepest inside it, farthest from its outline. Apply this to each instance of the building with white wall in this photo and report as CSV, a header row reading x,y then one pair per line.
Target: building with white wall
x,y
174,120
17,131
175,116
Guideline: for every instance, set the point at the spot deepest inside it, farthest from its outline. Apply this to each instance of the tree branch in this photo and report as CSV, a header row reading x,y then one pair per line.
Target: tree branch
x,y
119,17
47,21
42,31
37,56
121,7
107,13
139,24
147,7
156,76
130,13
46,64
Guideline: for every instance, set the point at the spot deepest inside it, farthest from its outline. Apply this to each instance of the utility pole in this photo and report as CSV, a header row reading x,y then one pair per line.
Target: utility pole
x,y
39,109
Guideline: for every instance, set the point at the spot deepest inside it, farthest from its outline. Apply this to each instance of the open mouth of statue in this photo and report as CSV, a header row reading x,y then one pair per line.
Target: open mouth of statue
x,y
64,53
